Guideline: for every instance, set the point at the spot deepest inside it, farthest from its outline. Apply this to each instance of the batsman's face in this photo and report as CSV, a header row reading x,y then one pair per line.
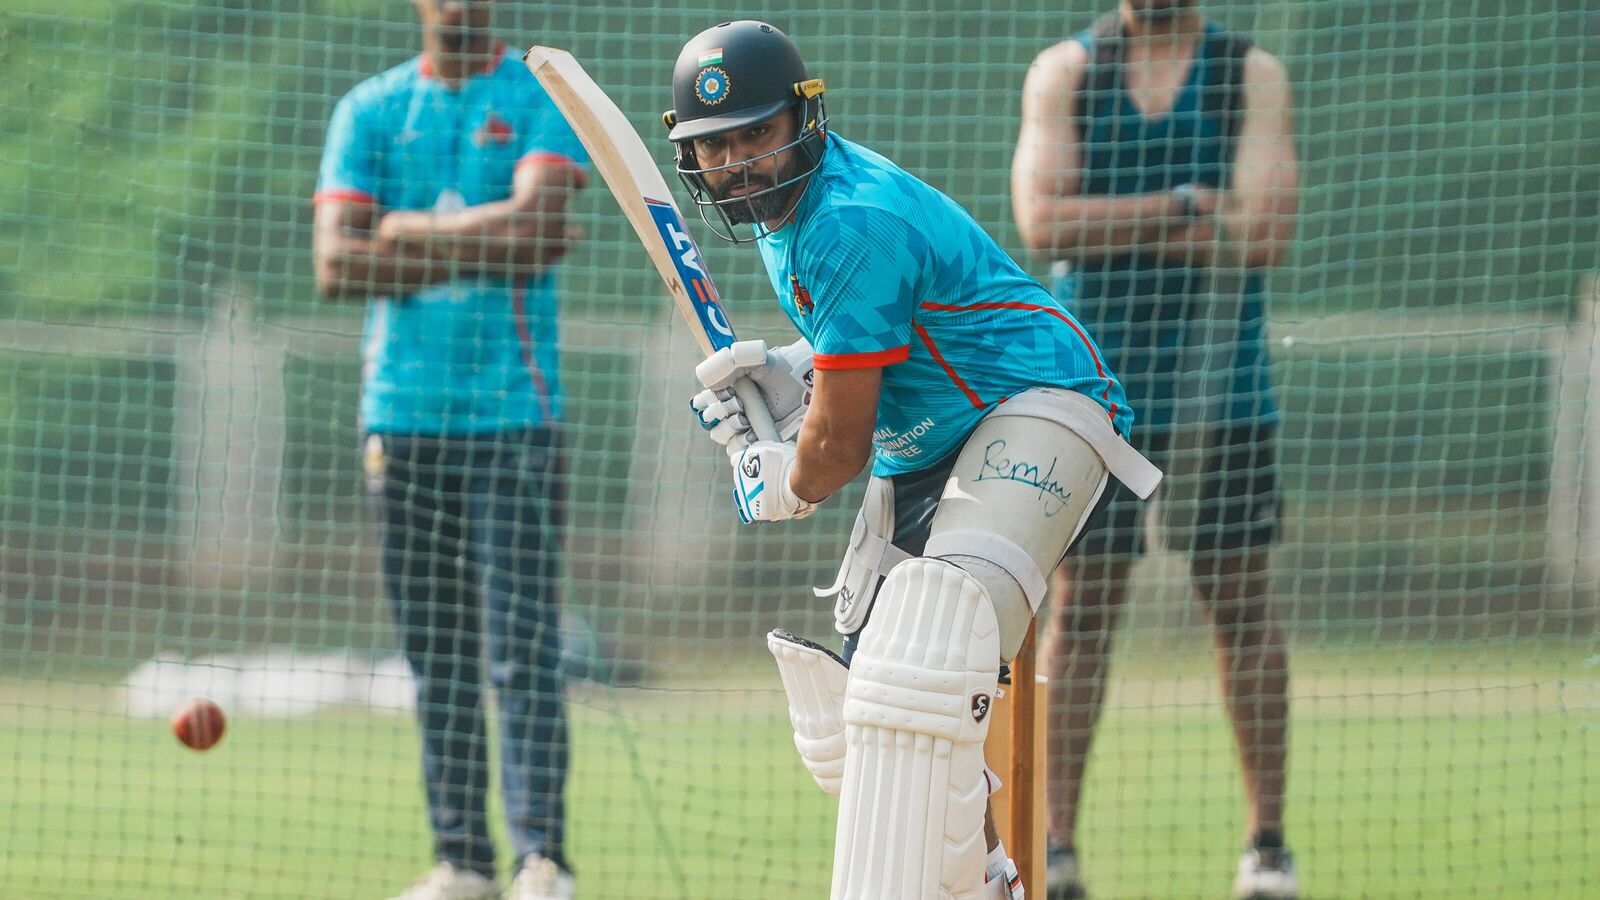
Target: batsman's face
x,y
457,27
745,163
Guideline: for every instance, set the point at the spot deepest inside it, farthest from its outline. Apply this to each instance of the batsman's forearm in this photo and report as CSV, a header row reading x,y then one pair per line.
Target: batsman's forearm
x,y
823,466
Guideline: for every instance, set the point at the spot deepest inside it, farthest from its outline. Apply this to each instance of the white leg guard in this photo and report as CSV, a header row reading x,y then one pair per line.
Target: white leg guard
x,y
814,679
922,683
1023,487
867,559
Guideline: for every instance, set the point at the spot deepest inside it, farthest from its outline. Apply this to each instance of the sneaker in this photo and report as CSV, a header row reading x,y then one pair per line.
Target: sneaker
x,y
1266,875
1003,882
447,882
1062,879
542,879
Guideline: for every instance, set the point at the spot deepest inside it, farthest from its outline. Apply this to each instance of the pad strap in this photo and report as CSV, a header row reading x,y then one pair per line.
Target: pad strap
x,y
1085,418
994,548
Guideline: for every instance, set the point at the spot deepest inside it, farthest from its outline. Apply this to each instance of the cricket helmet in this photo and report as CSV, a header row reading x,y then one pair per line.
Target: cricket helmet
x,y
735,75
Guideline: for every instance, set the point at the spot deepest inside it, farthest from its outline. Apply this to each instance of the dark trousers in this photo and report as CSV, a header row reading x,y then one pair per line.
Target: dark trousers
x,y
469,536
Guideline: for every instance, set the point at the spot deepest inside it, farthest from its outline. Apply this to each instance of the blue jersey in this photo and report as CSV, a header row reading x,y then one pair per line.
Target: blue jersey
x,y
477,354
1140,308
879,269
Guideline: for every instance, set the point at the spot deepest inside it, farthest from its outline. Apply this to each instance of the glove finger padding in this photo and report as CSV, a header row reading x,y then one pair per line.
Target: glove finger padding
x,y
785,383
721,369
714,407
782,377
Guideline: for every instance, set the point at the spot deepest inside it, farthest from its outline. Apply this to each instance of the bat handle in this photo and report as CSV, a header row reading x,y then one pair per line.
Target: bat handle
x,y
755,409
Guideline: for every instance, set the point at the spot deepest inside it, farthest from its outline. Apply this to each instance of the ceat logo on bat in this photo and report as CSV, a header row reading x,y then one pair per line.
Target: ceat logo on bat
x,y
686,259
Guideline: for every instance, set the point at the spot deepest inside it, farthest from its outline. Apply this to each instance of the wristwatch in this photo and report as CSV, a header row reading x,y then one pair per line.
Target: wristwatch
x,y
1188,203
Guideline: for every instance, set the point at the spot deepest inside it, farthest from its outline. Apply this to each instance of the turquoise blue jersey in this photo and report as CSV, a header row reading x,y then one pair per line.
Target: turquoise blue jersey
x,y
478,354
1142,309
879,269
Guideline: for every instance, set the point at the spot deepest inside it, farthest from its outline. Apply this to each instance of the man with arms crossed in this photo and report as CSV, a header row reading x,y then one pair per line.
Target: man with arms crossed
x,y
1156,155
991,423
442,202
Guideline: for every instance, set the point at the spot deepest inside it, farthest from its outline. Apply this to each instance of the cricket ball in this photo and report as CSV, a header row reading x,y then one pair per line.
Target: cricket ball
x,y
199,723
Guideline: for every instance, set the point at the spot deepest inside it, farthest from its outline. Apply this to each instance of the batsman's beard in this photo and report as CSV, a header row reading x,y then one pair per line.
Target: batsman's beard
x,y
761,201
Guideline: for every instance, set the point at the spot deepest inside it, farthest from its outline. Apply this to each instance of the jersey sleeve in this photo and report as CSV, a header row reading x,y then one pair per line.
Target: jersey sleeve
x,y
861,270
349,168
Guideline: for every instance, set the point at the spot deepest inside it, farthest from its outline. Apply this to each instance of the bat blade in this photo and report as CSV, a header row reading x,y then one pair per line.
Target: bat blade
x,y
624,162
622,159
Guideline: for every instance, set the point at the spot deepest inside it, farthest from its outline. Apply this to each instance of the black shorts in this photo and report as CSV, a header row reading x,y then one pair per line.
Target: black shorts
x,y
1238,504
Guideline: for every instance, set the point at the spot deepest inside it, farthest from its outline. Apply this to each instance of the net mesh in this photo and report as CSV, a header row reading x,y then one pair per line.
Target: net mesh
x,y
183,504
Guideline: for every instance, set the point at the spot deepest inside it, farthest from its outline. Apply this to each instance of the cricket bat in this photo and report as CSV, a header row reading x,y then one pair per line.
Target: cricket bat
x,y
620,156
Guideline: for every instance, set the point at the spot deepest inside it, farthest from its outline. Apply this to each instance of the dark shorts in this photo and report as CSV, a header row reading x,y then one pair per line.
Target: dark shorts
x,y
1238,502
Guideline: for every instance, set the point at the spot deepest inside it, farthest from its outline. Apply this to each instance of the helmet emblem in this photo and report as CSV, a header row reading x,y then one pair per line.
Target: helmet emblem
x,y
711,85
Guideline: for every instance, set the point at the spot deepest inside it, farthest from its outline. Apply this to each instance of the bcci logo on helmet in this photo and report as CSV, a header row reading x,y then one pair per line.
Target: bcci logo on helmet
x,y
712,86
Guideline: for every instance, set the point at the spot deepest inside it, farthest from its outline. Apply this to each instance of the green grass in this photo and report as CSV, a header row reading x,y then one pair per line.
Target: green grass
x,y
1460,773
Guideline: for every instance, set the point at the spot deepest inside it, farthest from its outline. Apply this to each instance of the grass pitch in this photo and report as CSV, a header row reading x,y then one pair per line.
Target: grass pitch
x,y
1431,773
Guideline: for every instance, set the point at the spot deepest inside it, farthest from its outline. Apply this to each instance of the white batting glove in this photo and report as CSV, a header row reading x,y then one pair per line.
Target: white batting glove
x,y
761,484
782,376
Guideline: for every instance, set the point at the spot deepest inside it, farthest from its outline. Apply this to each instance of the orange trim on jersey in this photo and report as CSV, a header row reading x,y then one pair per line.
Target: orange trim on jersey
x,y
349,195
877,359
1099,367
927,340
550,158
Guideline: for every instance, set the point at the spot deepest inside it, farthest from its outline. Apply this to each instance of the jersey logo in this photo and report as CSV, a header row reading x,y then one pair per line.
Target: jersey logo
x,y
802,297
712,85
494,130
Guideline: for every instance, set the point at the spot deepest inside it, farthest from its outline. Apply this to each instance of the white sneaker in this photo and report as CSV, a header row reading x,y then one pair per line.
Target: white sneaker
x,y
446,882
541,879
1266,875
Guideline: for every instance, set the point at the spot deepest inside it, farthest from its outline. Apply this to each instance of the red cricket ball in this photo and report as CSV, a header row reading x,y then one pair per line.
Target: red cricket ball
x,y
199,723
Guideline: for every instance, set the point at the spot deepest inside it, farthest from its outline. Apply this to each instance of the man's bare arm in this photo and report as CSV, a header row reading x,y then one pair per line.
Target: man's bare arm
x,y
1258,212
353,263
835,442
511,237
1046,175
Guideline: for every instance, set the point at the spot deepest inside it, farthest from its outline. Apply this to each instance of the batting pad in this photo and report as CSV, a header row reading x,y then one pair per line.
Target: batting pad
x,y
814,680
922,684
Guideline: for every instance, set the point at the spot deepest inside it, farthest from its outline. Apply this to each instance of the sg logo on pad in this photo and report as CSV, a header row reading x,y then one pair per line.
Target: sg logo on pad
x,y
980,706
